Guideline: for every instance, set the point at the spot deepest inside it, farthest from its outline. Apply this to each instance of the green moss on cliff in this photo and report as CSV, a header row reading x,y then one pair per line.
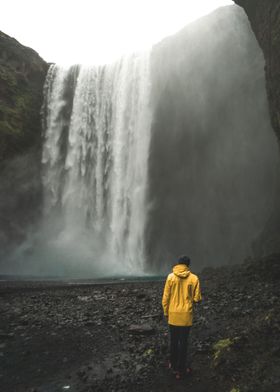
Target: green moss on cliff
x,y
22,75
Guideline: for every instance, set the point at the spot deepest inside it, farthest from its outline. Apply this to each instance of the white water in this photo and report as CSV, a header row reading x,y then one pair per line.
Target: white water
x,y
95,156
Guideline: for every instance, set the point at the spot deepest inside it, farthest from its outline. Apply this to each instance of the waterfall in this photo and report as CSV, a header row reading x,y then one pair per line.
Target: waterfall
x,y
97,122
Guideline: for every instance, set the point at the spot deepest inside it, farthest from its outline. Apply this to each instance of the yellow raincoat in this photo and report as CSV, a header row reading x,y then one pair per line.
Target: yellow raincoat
x,y
181,289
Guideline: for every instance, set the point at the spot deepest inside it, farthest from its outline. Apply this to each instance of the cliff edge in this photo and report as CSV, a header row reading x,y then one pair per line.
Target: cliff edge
x,y
22,76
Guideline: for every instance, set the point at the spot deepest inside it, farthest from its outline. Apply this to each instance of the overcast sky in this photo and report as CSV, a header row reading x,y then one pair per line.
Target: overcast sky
x,y
92,31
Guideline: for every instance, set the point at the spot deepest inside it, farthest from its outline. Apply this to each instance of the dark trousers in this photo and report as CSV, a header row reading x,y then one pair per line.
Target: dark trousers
x,y
178,347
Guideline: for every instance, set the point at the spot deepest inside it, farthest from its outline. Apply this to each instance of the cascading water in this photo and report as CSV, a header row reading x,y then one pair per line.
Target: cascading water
x,y
95,156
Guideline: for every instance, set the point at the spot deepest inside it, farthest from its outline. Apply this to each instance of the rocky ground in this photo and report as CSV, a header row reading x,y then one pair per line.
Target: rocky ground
x,y
111,337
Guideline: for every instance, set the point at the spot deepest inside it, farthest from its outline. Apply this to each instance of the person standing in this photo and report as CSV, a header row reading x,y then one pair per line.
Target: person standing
x,y
181,290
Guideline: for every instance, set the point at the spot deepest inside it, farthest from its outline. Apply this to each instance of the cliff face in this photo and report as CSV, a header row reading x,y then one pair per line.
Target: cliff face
x,y
264,17
22,75
213,162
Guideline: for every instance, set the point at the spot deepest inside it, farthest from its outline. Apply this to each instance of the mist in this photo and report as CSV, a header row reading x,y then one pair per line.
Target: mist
x,y
214,157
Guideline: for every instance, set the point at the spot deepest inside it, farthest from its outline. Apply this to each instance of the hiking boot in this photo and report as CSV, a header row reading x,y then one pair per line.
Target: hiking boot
x,y
189,371
178,375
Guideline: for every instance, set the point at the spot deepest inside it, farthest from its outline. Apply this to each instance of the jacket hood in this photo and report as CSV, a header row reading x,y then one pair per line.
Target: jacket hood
x,y
181,270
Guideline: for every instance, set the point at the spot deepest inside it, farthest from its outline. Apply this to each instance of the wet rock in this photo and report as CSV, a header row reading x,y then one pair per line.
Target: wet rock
x,y
84,298
123,353
141,329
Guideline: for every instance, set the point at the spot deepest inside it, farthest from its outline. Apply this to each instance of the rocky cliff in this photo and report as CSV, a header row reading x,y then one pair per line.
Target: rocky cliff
x,y
264,17
22,75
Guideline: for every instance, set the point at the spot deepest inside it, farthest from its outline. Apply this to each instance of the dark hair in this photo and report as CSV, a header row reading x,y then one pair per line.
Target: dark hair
x,y
184,260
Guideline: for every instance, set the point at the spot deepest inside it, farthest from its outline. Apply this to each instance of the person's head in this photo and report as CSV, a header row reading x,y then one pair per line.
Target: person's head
x,y
184,260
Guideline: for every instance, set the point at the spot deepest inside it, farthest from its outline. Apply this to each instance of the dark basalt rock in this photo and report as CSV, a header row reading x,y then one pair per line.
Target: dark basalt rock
x,y
22,75
264,17
143,329
267,268
234,342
